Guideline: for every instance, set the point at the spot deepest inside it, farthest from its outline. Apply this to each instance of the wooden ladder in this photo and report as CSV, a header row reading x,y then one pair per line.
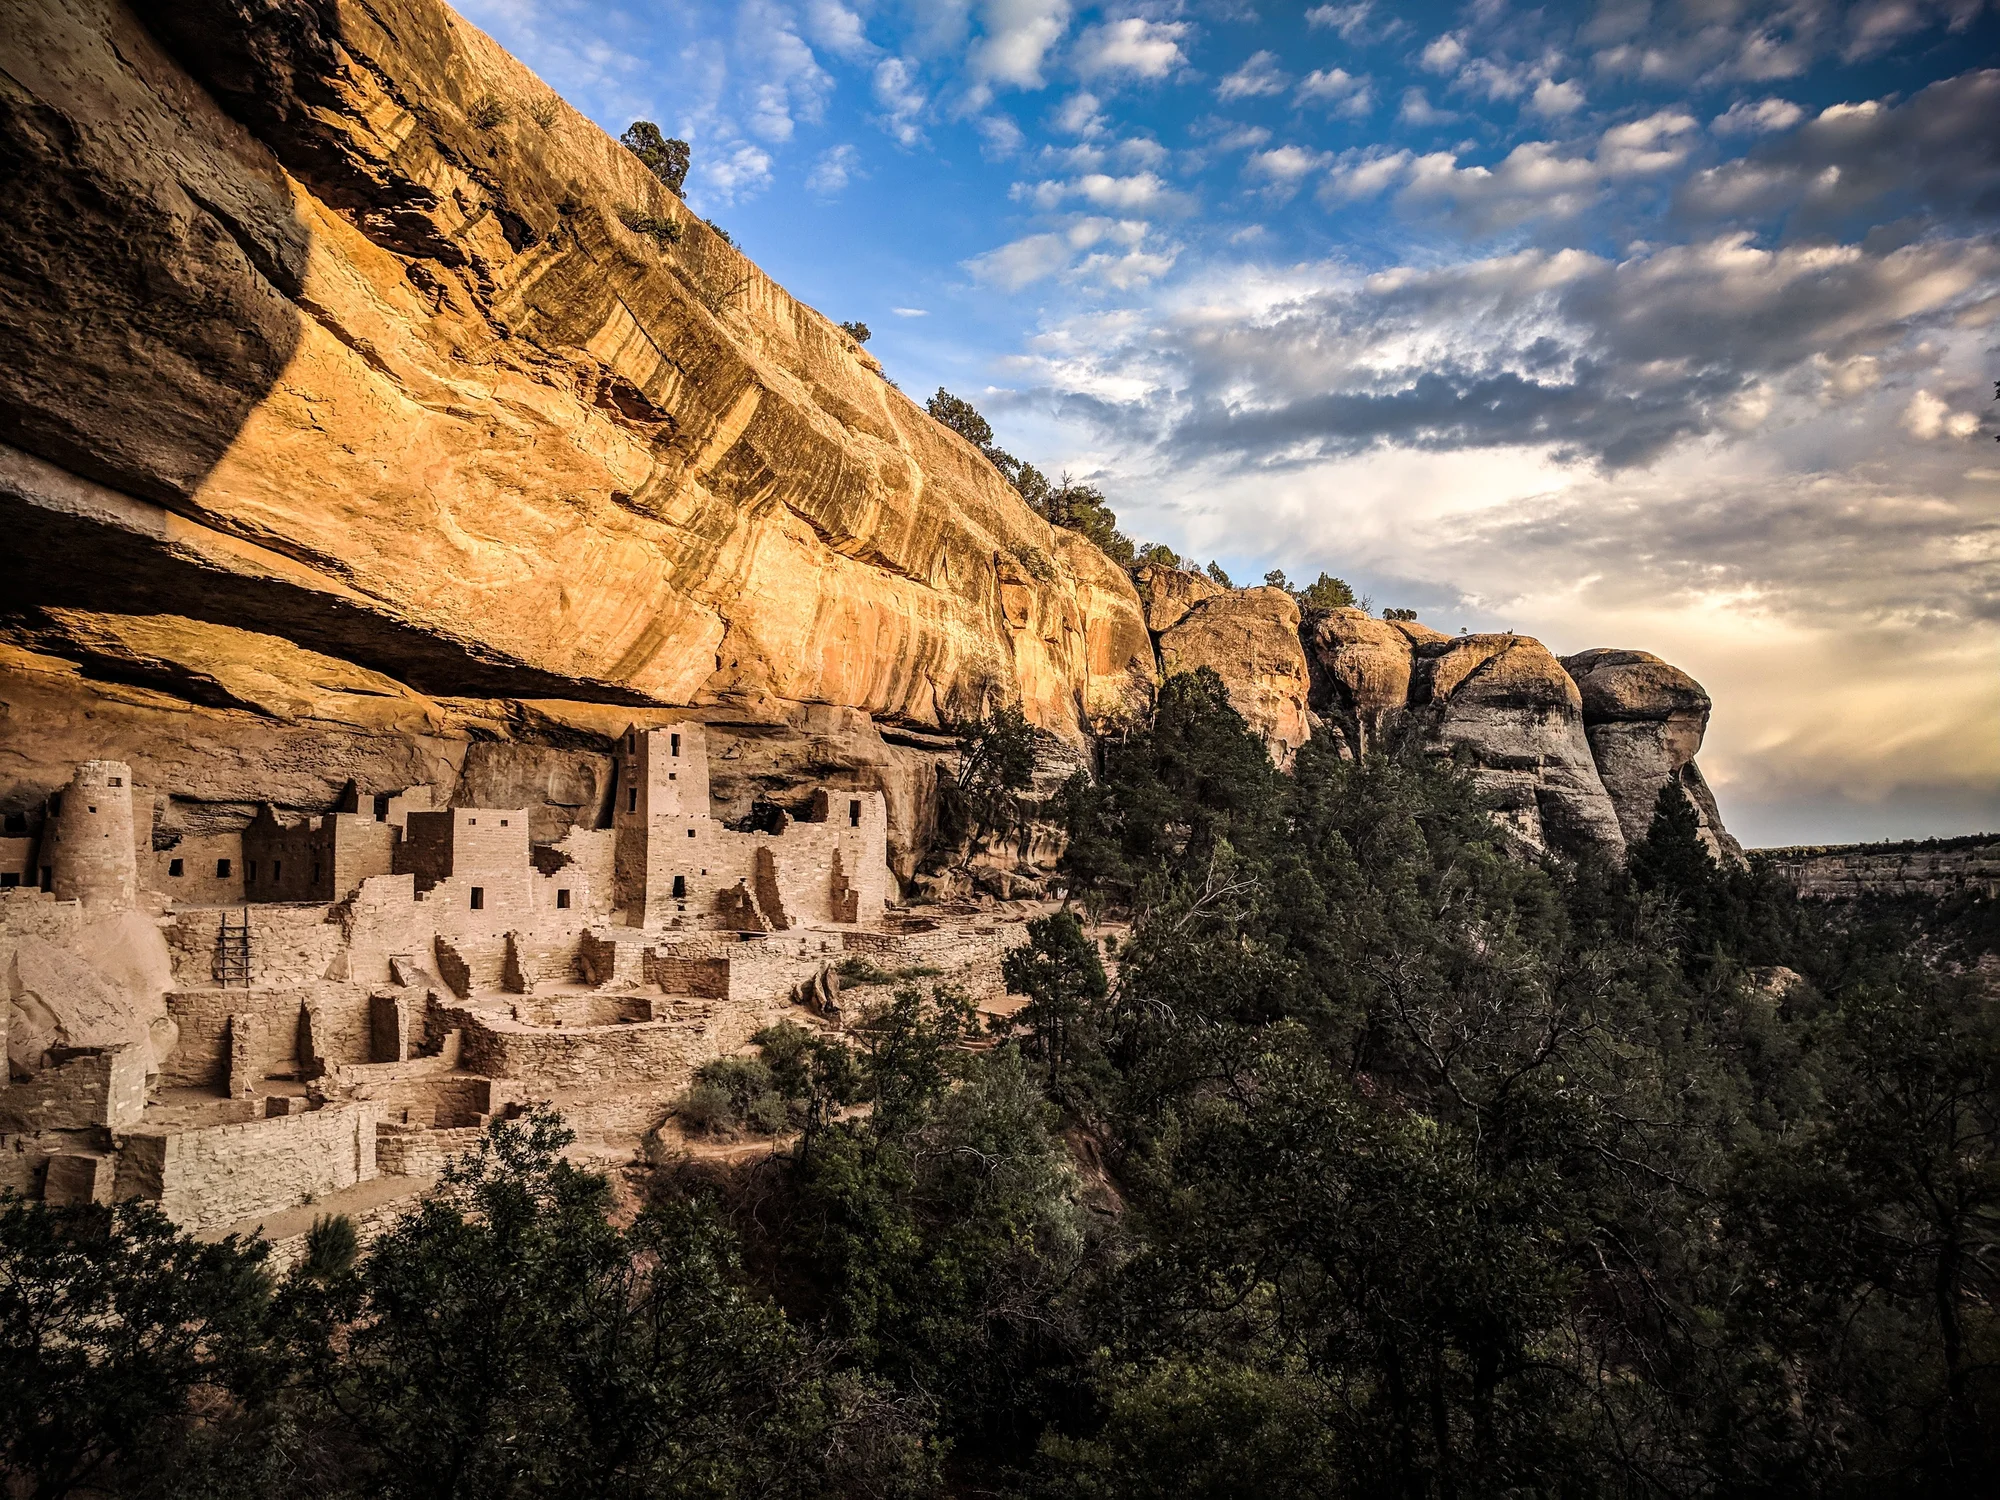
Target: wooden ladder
x,y
232,951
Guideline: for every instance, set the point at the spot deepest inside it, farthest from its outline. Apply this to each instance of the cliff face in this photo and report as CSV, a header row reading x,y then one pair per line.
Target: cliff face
x,y
328,321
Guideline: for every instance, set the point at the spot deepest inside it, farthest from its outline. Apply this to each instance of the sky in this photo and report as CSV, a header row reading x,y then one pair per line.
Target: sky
x,y
1661,325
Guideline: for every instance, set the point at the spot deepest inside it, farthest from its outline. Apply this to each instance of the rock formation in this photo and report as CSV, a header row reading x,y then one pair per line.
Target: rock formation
x,y
1250,637
330,322
1169,593
1506,701
1575,750
1645,720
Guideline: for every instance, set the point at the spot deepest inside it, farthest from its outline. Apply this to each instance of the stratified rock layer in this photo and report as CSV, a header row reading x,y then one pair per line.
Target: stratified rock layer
x,y
1576,750
328,321
1250,638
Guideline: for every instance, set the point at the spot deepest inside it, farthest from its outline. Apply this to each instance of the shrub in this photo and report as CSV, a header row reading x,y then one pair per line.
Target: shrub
x,y
662,232
487,113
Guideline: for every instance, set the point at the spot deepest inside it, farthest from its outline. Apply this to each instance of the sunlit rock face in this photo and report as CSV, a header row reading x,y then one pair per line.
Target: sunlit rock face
x,y
1250,638
331,322
1167,594
1645,719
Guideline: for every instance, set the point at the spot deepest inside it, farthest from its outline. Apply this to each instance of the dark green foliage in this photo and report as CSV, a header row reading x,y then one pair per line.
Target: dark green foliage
x,y
1171,794
665,157
1386,1162
1327,592
1058,969
1215,572
1399,614
996,763
487,113
858,331
114,1327
507,1337
1157,555
722,234
662,232
963,418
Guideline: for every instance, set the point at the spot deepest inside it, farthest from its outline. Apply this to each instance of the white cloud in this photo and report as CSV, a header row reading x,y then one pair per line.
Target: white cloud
x,y
901,99
838,29
1760,118
1367,174
1133,46
1015,40
911,312
1002,137
1112,253
1350,21
1927,418
1417,110
1081,115
1260,75
1140,193
1242,137
1445,53
1553,100
1645,146
1339,90
835,168
731,171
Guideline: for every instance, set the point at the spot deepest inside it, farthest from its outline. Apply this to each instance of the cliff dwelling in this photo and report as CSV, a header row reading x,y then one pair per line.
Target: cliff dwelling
x,y
233,1023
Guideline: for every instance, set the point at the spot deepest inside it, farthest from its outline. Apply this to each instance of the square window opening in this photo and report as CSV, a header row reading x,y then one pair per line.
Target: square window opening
x,y
9,879
222,869
631,799
479,898
250,869
854,813
675,743
680,887
115,781
562,900
176,868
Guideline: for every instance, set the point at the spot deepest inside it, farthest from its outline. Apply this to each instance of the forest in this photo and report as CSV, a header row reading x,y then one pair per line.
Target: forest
x,y
1361,1156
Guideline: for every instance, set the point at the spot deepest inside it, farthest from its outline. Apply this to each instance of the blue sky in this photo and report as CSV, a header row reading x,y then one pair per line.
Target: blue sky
x,y
1660,325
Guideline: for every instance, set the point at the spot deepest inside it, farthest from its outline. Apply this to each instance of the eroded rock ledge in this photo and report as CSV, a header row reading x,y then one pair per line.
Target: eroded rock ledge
x,y
329,321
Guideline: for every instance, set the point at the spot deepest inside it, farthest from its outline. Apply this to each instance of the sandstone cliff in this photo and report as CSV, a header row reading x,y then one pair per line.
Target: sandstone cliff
x,y
328,321
1250,638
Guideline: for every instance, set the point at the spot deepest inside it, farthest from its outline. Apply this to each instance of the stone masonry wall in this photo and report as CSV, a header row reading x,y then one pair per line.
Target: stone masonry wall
x,y
228,1172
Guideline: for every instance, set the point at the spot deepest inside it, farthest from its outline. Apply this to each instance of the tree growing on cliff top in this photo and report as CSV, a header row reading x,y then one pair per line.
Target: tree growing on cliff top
x,y
666,157
1065,503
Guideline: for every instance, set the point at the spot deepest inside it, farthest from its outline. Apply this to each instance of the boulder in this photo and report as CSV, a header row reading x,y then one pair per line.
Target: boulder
x,y
1167,594
1250,638
1508,704
1645,720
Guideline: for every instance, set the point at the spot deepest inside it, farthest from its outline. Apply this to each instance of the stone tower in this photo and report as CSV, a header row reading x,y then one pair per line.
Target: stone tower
x,y
90,854
666,845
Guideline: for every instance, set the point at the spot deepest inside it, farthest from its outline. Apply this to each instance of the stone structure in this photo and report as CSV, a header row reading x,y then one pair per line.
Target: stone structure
x,y
825,862
395,967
